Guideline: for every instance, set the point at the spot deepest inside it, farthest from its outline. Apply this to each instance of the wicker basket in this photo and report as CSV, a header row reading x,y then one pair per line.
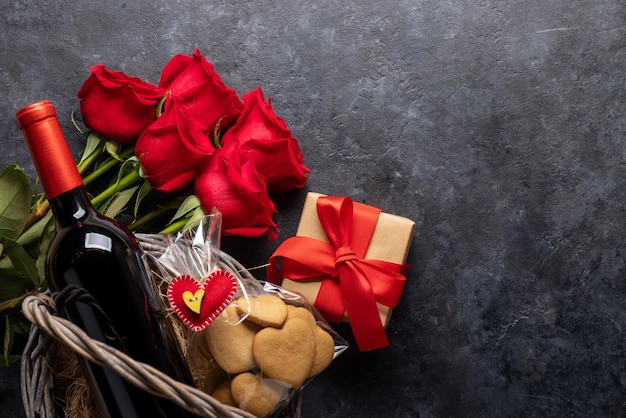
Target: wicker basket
x,y
48,330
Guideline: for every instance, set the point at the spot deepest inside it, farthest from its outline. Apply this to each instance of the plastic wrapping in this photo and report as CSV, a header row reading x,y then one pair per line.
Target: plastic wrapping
x,y
253,348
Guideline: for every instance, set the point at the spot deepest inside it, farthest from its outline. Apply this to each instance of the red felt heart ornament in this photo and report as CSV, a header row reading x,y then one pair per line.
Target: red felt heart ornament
x,y
197,304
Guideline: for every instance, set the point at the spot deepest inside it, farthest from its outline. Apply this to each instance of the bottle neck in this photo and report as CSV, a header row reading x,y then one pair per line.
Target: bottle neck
x,y
71,206
52,156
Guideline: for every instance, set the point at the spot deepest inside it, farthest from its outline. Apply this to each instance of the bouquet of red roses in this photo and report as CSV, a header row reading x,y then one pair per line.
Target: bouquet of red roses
x,y
183,147
193,131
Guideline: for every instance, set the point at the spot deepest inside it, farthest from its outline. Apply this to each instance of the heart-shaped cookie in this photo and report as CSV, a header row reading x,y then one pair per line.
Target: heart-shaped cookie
x,y
223,394
324,350
230,342
285,354
197,304
256,395
324,343
300,312
266,309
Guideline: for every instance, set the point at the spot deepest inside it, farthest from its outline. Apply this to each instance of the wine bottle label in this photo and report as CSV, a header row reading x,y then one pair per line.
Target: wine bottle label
x,y
98,241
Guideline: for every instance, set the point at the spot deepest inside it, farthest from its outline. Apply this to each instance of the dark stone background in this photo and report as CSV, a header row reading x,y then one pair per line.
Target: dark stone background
x,y
496,125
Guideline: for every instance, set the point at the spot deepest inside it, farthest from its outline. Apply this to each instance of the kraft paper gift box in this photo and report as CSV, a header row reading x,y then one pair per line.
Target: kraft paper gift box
x,y
390,242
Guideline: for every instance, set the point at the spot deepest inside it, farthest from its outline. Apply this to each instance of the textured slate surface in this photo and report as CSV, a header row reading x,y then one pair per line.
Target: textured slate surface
x,y
497,126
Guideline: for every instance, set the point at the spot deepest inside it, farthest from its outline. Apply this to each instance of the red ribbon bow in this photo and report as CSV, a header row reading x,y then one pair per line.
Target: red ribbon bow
x,y
350,283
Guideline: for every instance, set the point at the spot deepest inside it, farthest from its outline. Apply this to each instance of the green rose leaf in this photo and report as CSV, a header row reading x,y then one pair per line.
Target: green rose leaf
x,y
93,147
113,148
144,191
15,201
9,332
10,359
194,218
33,235
189,204
120,202
23,263
47,237
187,216
13,285
6,346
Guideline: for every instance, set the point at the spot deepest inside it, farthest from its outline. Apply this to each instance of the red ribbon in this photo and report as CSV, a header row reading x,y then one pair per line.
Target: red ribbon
x,y
349,283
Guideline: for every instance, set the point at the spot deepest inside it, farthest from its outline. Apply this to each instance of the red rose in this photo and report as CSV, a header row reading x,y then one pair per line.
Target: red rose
x,y
275,152
231,183
194,82
172,148
116,105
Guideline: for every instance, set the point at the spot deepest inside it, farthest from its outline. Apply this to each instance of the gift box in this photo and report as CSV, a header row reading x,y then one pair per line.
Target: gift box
x,y
347,256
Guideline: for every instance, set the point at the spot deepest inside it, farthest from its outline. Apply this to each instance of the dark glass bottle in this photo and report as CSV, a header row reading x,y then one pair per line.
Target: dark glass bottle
x,y
99,255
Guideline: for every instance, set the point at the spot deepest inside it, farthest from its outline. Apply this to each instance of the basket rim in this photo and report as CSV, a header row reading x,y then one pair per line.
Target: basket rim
x,y
48,329
47,325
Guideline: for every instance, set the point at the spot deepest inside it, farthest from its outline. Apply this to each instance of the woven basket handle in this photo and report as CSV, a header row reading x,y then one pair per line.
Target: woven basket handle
x,y
37,377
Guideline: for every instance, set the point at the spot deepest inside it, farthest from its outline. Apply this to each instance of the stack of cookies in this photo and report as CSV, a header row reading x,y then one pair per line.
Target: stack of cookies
x,y
268,348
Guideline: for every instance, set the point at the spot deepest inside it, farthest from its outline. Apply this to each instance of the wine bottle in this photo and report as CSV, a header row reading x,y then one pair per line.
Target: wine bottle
x,y
98,255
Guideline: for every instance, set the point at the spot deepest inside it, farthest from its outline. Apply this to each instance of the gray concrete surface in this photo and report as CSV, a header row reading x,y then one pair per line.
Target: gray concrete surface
x,y
498,126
